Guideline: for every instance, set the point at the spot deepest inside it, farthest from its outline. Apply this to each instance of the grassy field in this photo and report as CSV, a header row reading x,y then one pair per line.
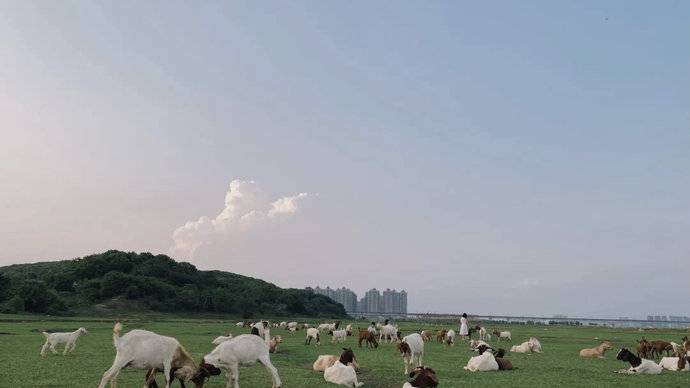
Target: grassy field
x,y
559,365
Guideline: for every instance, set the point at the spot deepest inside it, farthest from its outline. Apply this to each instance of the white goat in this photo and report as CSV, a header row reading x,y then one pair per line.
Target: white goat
x,y
323,362
533,345
503,335
475,344
69,339
484,335
389,332
339,335
342,372
450,337
312,333
243,350
484,362
411,348
142,349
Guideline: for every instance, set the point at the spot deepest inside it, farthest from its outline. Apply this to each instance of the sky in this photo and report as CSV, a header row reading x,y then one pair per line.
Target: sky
x,y
495,157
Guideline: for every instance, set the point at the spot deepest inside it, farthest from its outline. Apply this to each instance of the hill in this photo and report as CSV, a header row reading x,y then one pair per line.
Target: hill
x,y
120,281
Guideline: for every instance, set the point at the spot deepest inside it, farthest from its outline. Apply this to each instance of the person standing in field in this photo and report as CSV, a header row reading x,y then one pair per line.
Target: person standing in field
x,y
464,327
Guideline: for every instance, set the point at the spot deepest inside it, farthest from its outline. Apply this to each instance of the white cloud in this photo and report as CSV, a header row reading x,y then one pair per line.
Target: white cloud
x,y
246,206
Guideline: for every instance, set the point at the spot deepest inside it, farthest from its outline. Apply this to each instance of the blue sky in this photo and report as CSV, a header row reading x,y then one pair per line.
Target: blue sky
x,y
503,157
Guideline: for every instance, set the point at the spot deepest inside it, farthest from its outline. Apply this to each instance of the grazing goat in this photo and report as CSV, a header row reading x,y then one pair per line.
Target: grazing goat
x,y
323,362
342,372
388,332
426,335
657,347
338,335
450,337
422,377
441,335
643,348
142,349
597,351
369,337
483,334
243,350
221,339
240,324
69,339
503,335
533,345
312,333
292,326
637,365
484,362
411,348
273,344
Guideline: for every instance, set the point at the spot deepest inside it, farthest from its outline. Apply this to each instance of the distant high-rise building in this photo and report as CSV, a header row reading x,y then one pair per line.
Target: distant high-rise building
x,y
343,295
390,302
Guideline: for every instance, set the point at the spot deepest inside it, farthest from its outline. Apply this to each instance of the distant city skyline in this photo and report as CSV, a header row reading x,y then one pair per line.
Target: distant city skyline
x,y
374,301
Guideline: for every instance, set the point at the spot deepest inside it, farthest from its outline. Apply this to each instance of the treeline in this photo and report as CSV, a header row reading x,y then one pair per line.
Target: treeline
x,y
153,282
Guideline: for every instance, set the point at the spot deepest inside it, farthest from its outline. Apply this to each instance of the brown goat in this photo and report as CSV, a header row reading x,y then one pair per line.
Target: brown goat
x,y
657,347
370,338
441,335
426,335
423,377
643,348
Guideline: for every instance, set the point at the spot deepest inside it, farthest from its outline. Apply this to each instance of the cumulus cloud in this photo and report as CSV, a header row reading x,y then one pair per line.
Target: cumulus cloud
x,y
246,206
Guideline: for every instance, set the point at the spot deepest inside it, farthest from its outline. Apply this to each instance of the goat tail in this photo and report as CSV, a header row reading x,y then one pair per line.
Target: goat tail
x,y
117,329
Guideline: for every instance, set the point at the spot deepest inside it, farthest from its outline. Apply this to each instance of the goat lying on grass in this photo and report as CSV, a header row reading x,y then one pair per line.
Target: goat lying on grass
x,y
637,365
422,377
342,372
69,339
597,351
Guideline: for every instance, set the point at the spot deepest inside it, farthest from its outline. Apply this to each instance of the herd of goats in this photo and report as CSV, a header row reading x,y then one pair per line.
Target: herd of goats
x,y
154,353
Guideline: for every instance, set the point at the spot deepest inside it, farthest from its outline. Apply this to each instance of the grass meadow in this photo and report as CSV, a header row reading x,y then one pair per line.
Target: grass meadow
x,y
558,366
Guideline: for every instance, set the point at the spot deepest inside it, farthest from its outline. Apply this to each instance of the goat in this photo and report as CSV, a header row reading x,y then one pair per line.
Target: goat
x,y
221,338
422,377
388,332
643,348
533,345
441,335
678,363
243,350
323,362
474,344
69,339
312,333
657,347
348,330
597,351
338,335
426,335
483,334
410,348
450,337
503,364
292,326
503,335
273,344
342,372
369,337
484,362
142,349
637,365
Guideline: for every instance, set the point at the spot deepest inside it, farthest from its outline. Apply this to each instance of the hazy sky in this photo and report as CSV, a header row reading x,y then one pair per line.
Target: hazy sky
x,y
489,157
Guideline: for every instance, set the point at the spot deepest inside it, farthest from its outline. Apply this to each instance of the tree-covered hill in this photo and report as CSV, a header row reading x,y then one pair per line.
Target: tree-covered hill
x,y
121,281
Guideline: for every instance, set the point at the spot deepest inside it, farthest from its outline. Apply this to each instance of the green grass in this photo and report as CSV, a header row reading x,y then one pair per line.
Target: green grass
x,y
559,365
